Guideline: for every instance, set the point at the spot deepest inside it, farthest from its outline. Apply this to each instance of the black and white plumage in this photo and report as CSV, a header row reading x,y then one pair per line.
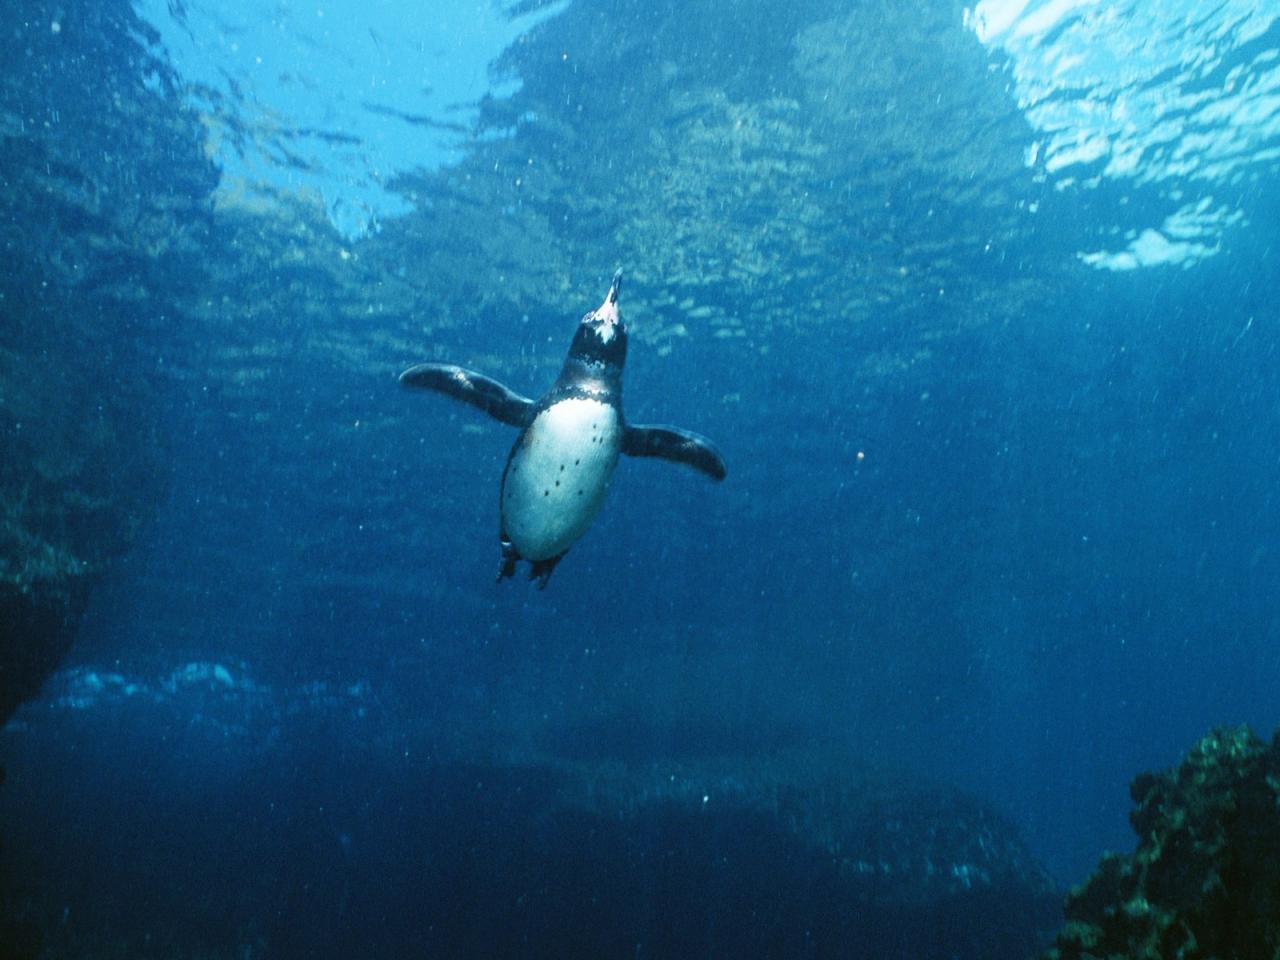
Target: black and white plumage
x,y
559,469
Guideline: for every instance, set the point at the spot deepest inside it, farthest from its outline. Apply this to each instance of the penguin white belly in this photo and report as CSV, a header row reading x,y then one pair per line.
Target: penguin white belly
x,y
556,480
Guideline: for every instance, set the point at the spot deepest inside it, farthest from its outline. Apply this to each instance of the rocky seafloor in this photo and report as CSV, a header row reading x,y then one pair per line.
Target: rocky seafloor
x,y
204,813
807,855
1204,881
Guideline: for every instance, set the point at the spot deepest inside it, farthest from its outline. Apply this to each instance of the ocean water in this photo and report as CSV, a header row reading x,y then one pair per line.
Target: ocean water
x,y
975,301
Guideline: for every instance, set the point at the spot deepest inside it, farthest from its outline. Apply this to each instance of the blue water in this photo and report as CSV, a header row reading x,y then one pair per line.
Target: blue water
x,y
976,303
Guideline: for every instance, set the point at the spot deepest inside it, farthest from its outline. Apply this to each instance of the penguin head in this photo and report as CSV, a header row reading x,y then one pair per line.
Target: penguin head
x,y
601,337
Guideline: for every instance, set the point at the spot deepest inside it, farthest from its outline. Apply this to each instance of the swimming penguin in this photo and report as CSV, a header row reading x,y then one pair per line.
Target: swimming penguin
x,y
558,471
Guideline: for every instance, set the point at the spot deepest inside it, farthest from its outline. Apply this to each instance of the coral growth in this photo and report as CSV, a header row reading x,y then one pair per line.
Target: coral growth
x,y
1205,879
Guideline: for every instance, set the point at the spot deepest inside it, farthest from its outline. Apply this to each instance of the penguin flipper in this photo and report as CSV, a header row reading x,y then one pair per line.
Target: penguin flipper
x,y
679,446
483,393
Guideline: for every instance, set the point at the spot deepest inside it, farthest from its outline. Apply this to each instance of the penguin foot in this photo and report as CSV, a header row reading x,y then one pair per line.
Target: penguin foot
x,y
540,570
507,565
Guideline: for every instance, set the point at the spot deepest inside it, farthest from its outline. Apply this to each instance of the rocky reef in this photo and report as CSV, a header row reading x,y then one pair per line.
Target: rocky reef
x,y
324,821
103,204
1205,878
779,859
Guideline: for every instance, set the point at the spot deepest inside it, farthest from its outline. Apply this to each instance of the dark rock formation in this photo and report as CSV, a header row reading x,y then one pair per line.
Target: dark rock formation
x,y
1205,879
273,847
206,813
102,185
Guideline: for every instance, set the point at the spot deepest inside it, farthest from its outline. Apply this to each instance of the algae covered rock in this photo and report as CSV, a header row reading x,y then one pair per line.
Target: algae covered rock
x,y
1205,879
103,217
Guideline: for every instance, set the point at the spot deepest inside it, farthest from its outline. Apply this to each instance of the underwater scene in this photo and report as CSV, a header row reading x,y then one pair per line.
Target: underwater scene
x,y
920,602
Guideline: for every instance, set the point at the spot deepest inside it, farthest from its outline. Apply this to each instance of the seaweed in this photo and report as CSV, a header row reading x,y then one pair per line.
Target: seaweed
x,y
1204,880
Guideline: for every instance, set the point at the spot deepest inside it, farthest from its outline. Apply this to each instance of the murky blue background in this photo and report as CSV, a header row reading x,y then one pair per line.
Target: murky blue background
x,y
977,304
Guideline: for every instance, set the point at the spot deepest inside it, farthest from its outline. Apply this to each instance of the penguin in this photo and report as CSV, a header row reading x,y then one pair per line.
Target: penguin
x,y
559,468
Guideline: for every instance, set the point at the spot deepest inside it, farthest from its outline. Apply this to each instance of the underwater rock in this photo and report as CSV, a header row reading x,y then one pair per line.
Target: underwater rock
x,y
103,209
381,854
79,473
738,859
1205,878
37,626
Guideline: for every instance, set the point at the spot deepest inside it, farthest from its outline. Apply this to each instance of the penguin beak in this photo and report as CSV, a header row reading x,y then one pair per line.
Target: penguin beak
x,y
607,312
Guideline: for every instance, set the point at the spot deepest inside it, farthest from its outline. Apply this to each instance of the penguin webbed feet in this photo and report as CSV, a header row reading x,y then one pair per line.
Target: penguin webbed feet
x,y
539,570
507,565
